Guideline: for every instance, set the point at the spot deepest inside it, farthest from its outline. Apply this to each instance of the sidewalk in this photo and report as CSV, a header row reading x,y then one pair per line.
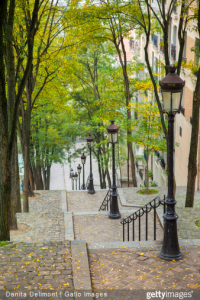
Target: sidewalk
x,y
72,247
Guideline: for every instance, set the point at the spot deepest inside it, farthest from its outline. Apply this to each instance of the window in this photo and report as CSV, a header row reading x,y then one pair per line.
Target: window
x,y
131,44
180,131
175,7
185,44
152,60
173,45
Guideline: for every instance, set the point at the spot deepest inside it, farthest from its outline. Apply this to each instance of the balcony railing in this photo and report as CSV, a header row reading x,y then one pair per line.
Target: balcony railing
x,y
173,51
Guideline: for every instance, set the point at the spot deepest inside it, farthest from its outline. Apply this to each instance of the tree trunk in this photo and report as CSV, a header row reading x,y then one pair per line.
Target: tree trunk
x,y
48,177
192,164
147,174
31,179
108,178
132,165
100,174
14,188
18,204
104,179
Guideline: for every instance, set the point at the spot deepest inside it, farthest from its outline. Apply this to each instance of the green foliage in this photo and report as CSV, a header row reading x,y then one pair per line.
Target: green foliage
x,y
147,128
150,192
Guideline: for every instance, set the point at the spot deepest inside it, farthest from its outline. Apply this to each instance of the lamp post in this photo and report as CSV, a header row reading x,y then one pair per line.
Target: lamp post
x,y
72,181
83,160
79,172
76,178
113,139
172,89
90,144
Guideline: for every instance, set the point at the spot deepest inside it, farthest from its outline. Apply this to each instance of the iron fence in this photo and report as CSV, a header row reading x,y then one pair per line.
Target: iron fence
x,y
104,204
153,204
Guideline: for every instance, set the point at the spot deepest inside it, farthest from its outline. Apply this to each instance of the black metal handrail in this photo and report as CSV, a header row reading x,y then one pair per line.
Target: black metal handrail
x,y
153,204
104,204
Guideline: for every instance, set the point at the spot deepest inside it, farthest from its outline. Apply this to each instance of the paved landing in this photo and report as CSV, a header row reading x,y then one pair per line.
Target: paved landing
x,y
142,270
28,267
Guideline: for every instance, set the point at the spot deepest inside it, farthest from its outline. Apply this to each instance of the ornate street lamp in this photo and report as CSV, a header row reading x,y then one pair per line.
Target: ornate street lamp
x,y
72,181
79,172
83,160
76,178
90,144
113,139
172,90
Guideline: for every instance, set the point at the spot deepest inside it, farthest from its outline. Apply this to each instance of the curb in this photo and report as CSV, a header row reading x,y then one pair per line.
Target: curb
x,y
100,212
123,200
143,244
80,266
68,220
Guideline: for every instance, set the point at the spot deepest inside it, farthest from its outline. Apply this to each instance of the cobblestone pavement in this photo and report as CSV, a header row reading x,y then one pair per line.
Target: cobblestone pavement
x,y
45,219
82,201
99,228
187,216
134,268
29,267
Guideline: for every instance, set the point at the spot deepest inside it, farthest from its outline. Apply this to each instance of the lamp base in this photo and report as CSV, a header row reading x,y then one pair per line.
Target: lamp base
x,y
170,247
91,191
167,256
91,186
114,216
